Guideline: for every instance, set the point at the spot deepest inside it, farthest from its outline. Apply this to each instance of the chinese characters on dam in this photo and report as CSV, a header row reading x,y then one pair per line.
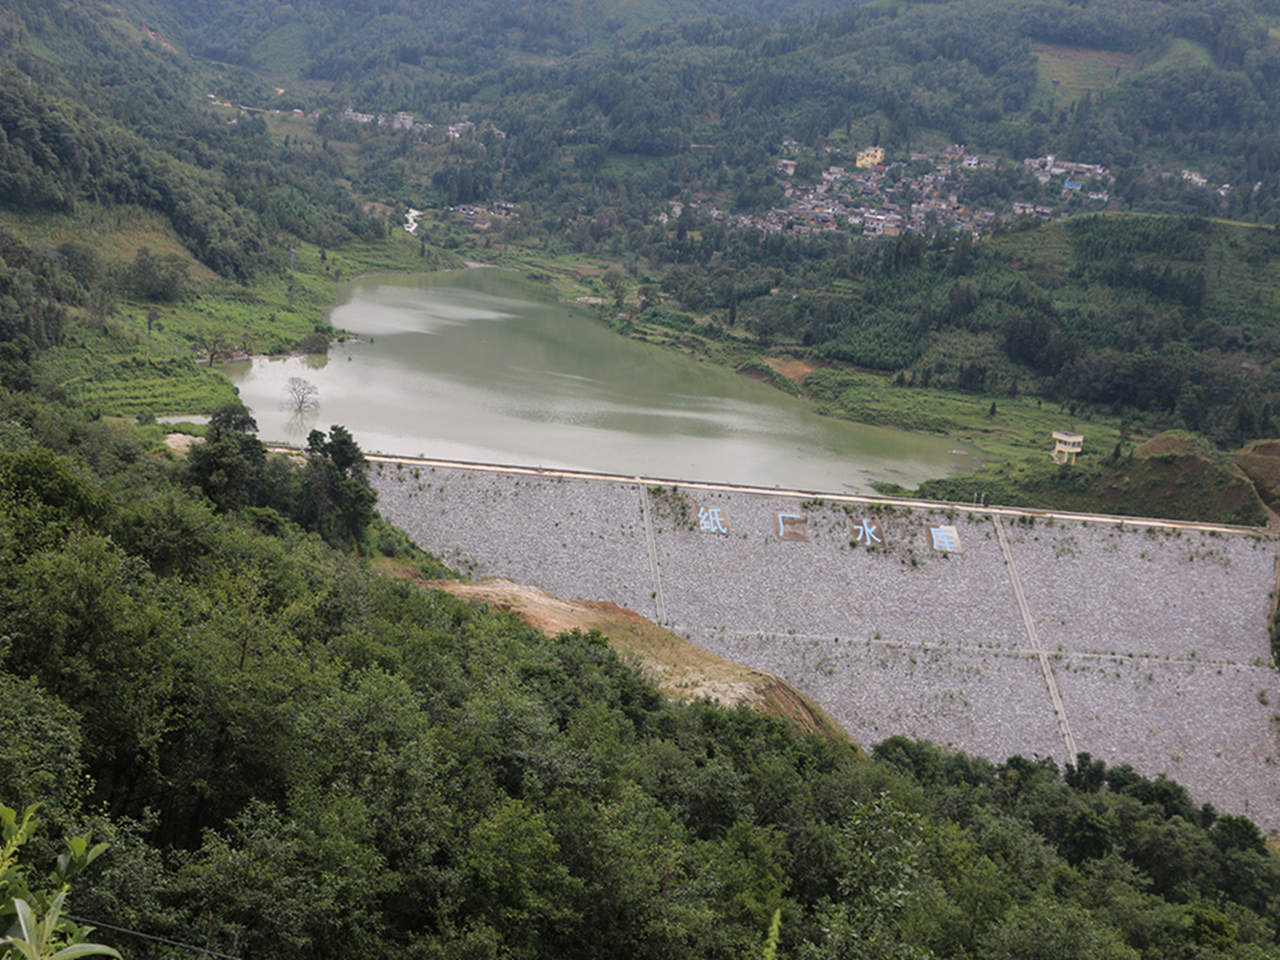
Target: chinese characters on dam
x,y
863,531
711,521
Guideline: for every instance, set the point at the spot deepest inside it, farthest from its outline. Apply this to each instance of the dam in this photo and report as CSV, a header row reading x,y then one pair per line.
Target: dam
x,y
989,630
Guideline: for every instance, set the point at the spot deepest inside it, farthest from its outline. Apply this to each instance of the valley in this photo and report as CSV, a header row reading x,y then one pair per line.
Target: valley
x,y
714,593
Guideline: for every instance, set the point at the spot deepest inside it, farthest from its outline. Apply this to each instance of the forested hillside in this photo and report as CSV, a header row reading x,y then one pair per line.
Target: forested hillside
x,y
1167,319
291,756
92,113
1188,85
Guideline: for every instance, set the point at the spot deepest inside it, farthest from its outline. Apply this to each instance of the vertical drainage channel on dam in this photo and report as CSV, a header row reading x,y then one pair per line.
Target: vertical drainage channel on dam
x,y
651,544
1059,708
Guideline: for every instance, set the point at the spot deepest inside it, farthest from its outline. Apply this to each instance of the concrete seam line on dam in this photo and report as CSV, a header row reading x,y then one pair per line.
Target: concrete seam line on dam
x,y
1059,708
651,543
1022,653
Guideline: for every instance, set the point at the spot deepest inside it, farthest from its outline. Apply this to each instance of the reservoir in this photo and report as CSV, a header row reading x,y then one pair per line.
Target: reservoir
x,y
482,365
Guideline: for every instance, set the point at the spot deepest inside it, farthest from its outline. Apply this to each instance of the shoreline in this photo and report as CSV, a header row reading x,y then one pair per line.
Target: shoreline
x,y
237,356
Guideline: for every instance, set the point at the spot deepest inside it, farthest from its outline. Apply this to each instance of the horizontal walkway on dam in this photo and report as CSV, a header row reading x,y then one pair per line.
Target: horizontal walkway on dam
x,y
988,629
836,497
990,510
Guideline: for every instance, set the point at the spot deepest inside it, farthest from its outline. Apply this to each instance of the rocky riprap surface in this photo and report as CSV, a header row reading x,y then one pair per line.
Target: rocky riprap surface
x,y
1157,640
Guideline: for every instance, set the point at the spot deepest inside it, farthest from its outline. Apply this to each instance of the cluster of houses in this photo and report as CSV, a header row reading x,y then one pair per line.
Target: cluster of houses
x,y
1200,180
886,200
881,200
406,121
401,120
1076,175
481,217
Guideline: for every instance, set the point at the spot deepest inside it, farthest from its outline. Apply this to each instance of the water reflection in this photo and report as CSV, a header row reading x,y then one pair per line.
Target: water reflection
x,y
300,424
315,361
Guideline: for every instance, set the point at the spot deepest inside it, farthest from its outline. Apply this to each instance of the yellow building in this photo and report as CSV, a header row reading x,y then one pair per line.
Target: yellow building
x,y
1066,446
871,157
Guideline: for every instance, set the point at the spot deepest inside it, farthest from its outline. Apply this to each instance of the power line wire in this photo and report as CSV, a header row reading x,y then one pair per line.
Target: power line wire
x,y
147,936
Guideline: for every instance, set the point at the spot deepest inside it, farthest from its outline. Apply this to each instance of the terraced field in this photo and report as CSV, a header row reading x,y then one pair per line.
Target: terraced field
x,y
1065,74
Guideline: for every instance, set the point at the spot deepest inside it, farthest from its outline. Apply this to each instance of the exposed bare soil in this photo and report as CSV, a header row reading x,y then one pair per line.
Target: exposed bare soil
x,y
180,443
680,669
791,368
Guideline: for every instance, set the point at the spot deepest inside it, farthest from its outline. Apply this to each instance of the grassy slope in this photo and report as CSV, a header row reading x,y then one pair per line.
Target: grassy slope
x,y
1173,475
122,367
1076,70
1089,70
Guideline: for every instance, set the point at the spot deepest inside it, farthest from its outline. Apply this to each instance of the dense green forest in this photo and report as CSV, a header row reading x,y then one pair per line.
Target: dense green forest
x,y
571,93
292,756
90,115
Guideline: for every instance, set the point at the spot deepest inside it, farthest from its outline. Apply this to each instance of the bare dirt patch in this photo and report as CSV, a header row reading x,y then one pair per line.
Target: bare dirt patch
x,y
680,669
789,367
180,443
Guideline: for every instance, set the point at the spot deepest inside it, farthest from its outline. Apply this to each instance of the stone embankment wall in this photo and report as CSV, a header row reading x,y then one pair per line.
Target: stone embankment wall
x,y
1033,636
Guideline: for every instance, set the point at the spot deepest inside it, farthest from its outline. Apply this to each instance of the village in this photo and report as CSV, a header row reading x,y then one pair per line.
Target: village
x,y
399,120
955,190
929,192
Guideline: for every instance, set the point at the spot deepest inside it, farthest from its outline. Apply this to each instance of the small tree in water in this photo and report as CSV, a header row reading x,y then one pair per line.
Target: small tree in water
x,y
303,395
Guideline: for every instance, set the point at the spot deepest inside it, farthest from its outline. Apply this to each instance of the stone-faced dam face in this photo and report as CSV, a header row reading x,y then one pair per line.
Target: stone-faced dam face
x,y
992,632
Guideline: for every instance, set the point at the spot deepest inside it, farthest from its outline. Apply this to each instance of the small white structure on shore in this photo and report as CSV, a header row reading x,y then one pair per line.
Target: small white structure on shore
x,y
1066,446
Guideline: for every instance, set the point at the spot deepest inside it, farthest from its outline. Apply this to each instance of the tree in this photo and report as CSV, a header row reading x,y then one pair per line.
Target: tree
x,y
515,881
338,502
102,304
1232,832
40,746
154,277
615,279
881,847
1046,930
228,467
211,343
1087,837
302,395
234,416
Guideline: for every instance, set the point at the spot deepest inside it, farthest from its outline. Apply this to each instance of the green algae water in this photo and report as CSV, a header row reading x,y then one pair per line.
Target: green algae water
x,y
479,365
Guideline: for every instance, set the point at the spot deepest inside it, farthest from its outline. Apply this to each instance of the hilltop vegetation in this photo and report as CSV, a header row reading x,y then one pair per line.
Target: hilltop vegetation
x,y
575,86
1170,476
